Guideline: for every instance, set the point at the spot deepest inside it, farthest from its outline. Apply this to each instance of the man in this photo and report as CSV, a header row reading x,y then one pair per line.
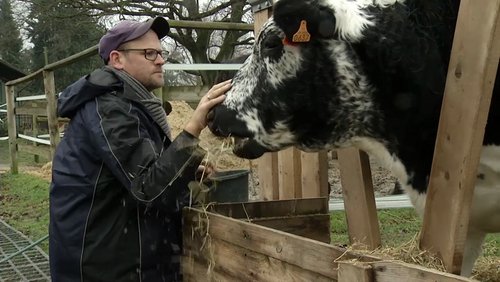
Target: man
x,y
119,182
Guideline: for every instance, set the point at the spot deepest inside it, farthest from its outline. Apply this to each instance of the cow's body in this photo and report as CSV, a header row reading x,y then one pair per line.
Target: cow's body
x,y
372,76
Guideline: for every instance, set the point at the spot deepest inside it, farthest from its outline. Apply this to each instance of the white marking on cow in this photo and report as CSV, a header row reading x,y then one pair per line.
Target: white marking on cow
x,y
279,135
247,81
352,18
394,165
287,67
251,119
378,150
348,73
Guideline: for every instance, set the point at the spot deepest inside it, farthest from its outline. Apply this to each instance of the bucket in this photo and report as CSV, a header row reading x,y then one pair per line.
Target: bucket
x,y
229,186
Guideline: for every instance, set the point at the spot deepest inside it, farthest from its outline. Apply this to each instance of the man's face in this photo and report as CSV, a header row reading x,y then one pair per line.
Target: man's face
x,y
147,72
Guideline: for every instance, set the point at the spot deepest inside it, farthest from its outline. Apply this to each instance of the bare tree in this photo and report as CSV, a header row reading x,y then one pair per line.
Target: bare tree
x,y
201,45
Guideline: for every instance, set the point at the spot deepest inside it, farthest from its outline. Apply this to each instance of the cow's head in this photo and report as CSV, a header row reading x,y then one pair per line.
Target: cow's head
x,y
302,84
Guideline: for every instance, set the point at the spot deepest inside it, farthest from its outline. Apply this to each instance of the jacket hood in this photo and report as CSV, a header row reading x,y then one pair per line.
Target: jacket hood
x,y
100,81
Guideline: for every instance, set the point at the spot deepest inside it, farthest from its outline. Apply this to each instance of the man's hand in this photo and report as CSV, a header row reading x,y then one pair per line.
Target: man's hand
x,y
205,170
213,97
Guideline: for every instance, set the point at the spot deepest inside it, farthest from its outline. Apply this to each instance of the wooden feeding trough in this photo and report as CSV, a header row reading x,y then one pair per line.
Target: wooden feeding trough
x,y
284,240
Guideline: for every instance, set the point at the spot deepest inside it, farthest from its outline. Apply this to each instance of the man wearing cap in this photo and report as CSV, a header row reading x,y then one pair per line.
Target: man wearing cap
x,y
119,179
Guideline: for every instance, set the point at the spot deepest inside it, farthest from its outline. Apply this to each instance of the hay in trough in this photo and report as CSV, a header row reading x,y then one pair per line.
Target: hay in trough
x,y
486,269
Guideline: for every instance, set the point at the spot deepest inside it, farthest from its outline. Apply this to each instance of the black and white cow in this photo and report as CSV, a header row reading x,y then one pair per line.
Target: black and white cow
x,y
369,74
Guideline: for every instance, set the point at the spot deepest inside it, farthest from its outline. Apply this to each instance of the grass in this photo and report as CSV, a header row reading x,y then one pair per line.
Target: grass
x,y
23,158
397,226
25,204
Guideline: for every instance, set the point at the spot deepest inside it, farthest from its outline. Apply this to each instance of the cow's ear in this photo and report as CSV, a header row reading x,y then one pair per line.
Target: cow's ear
x,y
292,15
326,23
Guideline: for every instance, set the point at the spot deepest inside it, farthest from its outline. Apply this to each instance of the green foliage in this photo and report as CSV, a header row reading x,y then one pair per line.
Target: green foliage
x,y
10,37
25,204
58,31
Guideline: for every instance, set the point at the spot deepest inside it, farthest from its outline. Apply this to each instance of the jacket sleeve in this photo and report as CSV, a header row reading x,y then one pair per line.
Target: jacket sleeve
x,y
158,178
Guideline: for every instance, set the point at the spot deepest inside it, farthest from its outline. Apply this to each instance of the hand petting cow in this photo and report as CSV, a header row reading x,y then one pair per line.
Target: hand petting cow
x,y
327,74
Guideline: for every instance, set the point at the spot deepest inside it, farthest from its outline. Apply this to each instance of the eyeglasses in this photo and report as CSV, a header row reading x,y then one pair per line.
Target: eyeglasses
x,y
149,53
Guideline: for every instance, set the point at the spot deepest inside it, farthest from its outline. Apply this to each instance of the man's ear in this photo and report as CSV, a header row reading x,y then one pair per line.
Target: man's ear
x,y
116,60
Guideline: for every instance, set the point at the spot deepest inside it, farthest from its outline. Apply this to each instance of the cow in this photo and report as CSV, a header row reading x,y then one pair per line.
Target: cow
x,y
328,74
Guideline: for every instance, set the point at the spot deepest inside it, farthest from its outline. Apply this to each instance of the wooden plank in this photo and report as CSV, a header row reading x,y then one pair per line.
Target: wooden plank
x,y
27,78
31,111
359,198
472,71
267,170
12,127
210,25
50,93
87,53
354,271
219,260
266,209
41,150
44,118
289,169
34,128
315,227
314,174
395,271
308,254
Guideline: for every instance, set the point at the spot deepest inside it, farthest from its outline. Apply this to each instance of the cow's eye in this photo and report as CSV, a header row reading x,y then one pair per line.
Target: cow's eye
x,y
272,42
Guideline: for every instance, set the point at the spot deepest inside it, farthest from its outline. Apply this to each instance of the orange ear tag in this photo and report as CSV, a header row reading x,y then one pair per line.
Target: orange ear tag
x,y
302,35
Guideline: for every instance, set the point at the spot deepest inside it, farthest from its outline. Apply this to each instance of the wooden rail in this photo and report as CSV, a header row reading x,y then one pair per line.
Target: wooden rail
x,y
471,77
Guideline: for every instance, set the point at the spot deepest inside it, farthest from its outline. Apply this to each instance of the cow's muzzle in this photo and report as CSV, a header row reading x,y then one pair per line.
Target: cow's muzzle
x,y
248,148
223,122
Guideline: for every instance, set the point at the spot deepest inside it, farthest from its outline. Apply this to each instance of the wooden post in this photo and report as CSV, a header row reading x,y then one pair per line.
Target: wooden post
x,y
50,94
314,174
471,76
11,119
268,176
359,198
289,169
34,131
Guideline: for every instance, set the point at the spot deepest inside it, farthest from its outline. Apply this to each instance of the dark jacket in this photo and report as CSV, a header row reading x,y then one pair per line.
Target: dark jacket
x,y
118,187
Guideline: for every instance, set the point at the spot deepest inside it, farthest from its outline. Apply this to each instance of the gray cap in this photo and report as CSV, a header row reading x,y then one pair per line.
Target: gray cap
x,y
129,30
